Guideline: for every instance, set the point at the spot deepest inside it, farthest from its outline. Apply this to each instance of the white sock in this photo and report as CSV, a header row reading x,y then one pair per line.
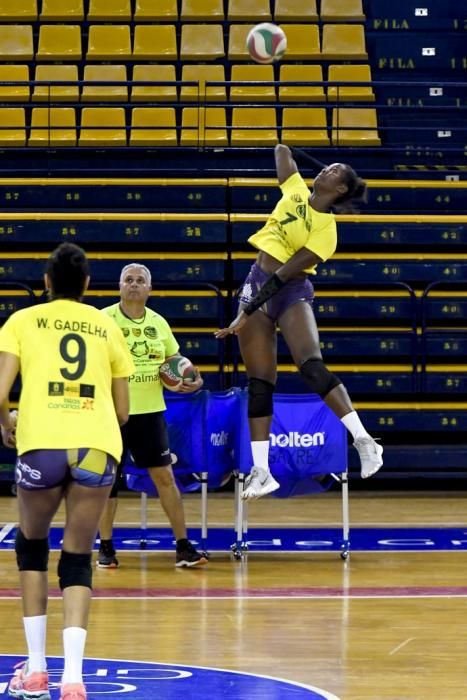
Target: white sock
x,y
260,451
35,630
354,425
74,639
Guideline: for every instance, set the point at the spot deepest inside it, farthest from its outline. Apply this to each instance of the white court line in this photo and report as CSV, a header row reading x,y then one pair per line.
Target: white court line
x,y
5,531
203,598
401,646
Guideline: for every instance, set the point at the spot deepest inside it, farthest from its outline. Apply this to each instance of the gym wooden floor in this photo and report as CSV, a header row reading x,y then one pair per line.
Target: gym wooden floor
x,y
376,638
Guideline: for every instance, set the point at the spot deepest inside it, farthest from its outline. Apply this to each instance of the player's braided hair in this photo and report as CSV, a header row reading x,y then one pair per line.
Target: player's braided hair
x,y
67,268
356,191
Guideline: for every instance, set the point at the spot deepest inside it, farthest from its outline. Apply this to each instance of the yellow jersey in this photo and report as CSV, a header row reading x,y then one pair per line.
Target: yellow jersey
x,y
69,353
294,224
150,341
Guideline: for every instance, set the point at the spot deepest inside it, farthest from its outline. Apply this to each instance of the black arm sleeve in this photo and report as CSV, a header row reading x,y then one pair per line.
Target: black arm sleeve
x,y
269,288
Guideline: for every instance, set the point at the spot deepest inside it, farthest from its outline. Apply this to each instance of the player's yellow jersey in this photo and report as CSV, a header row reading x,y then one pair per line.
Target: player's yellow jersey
x,y
69,353
294,224
150,342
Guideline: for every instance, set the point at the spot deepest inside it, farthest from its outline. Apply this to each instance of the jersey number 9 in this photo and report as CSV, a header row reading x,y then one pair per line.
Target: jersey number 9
x,y
73,351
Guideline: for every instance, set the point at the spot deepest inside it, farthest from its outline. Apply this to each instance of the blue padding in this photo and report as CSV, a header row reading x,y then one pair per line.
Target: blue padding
x,y
209,433
307,442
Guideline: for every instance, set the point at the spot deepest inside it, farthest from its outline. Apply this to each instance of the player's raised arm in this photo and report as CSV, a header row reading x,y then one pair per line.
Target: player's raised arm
x,y
285,164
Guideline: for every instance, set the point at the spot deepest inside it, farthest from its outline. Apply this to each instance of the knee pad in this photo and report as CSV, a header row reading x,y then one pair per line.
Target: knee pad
x,y
74,570
260,393
320,380
31,555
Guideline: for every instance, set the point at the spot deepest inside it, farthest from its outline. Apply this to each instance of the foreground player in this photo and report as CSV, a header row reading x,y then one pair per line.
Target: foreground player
x,y
74,368
150,342
298,235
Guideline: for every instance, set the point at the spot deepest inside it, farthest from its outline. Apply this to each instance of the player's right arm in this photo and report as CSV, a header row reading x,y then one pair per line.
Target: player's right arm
x,y
121,398
9,368
285,164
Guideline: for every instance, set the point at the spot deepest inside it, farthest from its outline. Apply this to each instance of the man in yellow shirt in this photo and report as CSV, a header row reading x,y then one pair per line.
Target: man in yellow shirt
x,y
150,342
74,372
299,235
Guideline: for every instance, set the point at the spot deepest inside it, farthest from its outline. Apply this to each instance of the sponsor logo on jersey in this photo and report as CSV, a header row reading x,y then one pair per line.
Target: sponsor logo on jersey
x,y
150,332
56,388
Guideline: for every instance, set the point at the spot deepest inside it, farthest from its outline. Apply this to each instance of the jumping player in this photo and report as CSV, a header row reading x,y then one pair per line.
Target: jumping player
x,y
74,368
298,235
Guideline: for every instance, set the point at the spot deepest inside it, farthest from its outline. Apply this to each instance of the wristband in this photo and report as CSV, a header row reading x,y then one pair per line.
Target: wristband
x,y
269,288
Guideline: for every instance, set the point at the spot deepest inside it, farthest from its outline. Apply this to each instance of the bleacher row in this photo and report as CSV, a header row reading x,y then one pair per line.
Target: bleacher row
x,y
211,126
158,42
391,315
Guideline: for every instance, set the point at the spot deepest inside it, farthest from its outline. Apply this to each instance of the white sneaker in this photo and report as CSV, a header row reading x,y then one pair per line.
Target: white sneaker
x,y
259,482
371,455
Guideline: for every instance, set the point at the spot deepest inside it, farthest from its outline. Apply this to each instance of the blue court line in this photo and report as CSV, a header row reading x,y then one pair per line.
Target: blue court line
x,y
220,539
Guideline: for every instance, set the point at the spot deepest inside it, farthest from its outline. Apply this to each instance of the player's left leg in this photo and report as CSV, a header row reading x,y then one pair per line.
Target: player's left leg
x,y
86,497
300,332
171,502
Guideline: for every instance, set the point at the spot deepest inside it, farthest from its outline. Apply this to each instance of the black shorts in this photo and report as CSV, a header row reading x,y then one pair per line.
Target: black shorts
x,y
146,438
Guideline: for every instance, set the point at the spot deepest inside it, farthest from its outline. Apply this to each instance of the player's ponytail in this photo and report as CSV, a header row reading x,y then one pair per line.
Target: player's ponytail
x,y
68,269
356,192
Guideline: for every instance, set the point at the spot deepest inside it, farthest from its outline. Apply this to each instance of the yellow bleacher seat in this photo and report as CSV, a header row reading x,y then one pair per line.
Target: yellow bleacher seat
x,y
348,74
62,10
262,119
237,50
109,42
201,74
12,126
249,93
156,10
257,11
102,126
313,131
204,126
104,93
153,126
14,93
202,42
113,10
302,42
54,126
342,10
354,127
205,10
301,93
154,93
155,42
344,42
18,11
56,93
16,42
295,11
59,42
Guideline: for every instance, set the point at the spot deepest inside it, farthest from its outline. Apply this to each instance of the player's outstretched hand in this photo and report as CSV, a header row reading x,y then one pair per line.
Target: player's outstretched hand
x,y
234,328
189,386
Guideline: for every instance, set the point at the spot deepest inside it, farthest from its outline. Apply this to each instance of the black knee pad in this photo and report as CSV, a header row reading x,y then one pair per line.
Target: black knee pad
x,y
320,380
260,393
31,555
74,570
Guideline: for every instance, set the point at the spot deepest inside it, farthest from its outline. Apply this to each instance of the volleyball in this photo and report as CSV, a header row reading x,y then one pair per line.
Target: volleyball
x,y
266,43
175,371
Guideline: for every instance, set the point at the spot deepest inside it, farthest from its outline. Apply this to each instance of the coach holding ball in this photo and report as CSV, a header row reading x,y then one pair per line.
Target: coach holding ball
x,y
151,343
